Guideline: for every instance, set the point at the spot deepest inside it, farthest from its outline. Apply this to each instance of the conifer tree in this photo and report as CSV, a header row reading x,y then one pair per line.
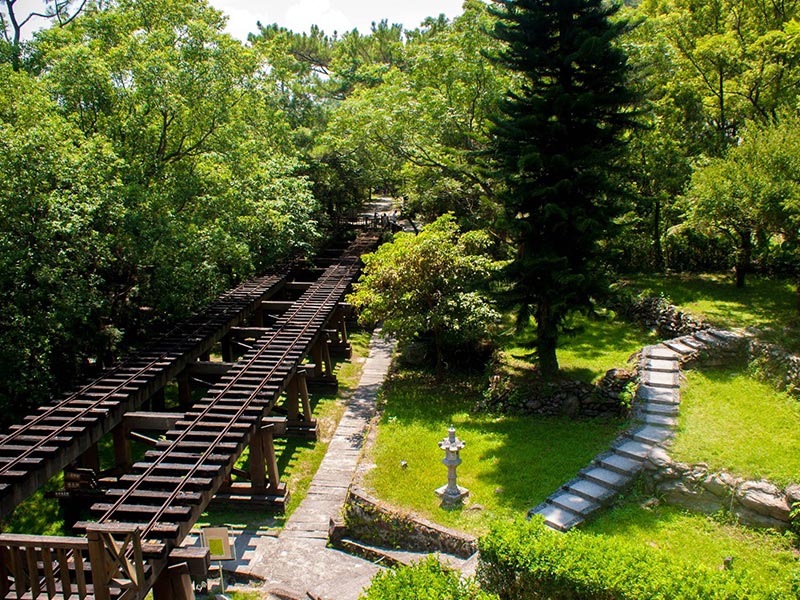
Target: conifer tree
x,y
557,138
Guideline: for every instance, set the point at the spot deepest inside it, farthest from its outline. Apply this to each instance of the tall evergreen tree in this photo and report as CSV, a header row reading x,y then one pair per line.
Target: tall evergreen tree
x,y
557,138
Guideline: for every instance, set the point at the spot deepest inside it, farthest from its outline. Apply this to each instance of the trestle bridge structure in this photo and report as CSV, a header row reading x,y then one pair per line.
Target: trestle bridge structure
x,y
286,323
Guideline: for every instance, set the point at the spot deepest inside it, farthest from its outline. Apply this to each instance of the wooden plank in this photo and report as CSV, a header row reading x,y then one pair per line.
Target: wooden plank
x,y
151,421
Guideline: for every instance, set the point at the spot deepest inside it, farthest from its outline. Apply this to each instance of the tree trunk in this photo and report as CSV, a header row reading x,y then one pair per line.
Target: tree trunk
x,y
546,341
743,257
439,356
658,250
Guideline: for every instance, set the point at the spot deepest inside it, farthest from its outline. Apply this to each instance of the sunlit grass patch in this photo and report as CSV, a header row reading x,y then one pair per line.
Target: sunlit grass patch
x,y
731,421
767,304
764,555
510,464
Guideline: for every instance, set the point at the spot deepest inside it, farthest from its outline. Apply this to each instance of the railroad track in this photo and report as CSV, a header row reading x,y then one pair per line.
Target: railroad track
x,y
166,493
45,443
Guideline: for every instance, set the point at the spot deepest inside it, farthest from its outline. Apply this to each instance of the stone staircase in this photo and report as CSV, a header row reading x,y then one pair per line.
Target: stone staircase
x,y
656,408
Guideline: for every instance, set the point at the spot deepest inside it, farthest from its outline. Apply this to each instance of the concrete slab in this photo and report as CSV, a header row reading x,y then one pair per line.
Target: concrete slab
x,y
654,408
621,464
680,348
558,518
591,490
660,420
651,434
606,477
574,503
661,379
660,352
661,364
633,449
659,395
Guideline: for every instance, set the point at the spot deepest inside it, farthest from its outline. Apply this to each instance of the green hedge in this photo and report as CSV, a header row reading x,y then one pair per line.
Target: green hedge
x,y
425,580
526,560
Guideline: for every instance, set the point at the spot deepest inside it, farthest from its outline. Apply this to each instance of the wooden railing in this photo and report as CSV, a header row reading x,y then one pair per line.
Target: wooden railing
x,y
97,567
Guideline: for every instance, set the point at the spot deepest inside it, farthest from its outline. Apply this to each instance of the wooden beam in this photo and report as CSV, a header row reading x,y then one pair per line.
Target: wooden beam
x,y
205,368
152,421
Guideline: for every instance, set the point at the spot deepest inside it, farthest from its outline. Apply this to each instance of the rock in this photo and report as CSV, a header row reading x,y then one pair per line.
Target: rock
x,y
763,498
476,507
793,493
721,485
658,458
677,492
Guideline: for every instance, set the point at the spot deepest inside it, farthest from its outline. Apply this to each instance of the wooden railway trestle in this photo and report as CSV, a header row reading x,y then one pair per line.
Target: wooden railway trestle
x,y
134,547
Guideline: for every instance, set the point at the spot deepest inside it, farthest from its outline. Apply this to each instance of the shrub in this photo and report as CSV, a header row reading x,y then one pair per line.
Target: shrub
x,y
525,560
424,580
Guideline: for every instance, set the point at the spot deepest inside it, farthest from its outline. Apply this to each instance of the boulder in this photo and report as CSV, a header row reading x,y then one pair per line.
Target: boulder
x,y
721,485
764,498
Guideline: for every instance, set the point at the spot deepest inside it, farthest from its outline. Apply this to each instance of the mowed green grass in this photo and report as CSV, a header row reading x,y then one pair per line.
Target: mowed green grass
x,y
761,555
591,347
510,464
769,305
732,421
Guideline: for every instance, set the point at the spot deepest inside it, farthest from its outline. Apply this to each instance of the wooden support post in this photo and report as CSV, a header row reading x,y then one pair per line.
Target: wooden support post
x,y
101,574
342,327
158,401
257,463
174,583
316,356
226,348
205,356
184,391
292,400
123,459
90,459
326,358
272,462
258,317
302,388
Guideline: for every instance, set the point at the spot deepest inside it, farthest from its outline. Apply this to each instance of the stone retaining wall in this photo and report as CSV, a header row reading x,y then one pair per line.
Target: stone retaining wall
x,y
367,519
654,312
694,487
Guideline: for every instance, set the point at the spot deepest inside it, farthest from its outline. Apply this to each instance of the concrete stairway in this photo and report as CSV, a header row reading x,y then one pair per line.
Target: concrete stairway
x,y
656,408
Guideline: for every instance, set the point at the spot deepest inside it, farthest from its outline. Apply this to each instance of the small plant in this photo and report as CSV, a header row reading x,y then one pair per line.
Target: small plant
x,y
426,579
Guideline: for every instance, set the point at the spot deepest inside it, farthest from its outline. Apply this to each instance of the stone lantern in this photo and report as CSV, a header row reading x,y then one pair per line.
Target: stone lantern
x,y
451,494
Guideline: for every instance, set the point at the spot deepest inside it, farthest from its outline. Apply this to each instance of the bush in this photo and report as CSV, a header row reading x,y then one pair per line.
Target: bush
x,y
425,580
525,560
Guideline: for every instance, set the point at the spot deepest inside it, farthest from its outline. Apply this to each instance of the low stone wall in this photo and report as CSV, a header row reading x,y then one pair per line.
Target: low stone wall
x,y
776,364
609,397
654,312
694,487
368,520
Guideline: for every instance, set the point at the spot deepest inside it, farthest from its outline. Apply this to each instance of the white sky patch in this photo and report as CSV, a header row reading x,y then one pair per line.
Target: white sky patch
x,y
299,15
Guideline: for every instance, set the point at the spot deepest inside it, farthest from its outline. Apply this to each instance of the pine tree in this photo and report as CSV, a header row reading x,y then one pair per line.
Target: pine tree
x,y
557,137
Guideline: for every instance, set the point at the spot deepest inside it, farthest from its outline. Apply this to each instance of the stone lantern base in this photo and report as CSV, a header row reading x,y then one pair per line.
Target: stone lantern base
x,y
450,499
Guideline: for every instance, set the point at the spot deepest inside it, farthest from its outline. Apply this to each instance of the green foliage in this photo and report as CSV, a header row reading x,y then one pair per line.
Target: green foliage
x,y
429,284
146,166
728,420
525,560
423,580
765,556
559,133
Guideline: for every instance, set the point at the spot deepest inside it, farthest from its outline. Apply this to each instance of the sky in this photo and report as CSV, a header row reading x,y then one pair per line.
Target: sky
x,y
299,15
330,15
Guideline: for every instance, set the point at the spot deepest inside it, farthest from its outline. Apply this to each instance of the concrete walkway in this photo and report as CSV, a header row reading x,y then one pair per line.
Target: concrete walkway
x,y
296,562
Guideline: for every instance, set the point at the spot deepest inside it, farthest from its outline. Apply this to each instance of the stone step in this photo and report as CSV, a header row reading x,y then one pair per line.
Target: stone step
x,y
726,337
661,379
660,352
660,364
573,503
633,449
652,434
693,342
659,420
557,518
606,477
655,408
624,465
679,347
669,396
590,490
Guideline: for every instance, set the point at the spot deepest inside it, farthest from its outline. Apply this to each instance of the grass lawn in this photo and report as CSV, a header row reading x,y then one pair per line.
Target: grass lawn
x,y
731,421
769,305
765,556
595,345
510,464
